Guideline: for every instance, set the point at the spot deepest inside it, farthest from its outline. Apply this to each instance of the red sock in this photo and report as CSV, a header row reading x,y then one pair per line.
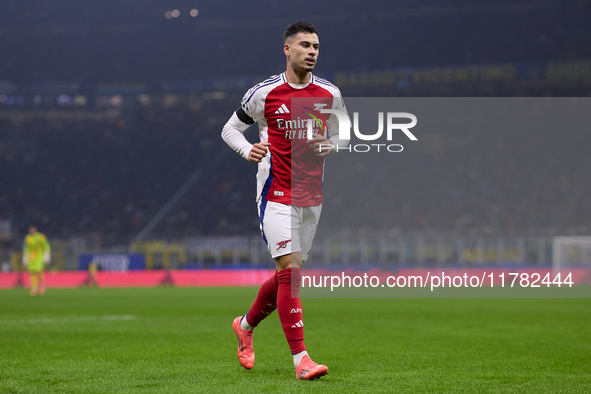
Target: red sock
x,y
265,303
290,308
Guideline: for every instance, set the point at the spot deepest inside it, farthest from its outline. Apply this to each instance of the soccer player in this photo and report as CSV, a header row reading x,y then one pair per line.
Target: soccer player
x,y
92,268
289,186
36,253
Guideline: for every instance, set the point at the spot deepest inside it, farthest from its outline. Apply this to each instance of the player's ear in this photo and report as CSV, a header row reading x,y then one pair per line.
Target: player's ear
x,y
286,48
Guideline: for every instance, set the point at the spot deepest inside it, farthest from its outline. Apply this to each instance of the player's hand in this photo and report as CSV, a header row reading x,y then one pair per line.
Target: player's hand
x,y
321,145
258,152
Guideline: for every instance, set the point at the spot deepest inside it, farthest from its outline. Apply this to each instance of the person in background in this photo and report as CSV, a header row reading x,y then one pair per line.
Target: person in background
x,y
92,268
36,254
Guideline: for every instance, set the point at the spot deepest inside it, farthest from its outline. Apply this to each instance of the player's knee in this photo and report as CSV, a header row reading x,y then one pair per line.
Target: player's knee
x,y
288,261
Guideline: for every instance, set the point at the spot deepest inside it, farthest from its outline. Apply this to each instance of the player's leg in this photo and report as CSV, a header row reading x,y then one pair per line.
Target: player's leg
x,y
310,216
264,304
275,222
289,308
34,283
289,304
41,275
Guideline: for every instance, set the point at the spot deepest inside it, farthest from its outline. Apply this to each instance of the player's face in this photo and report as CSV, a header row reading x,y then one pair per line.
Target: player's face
x,y
302,51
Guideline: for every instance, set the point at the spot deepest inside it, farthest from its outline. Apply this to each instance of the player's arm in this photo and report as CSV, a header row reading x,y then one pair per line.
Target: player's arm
x,y
251,110
25,254
46,251
333,122
321,145
233,135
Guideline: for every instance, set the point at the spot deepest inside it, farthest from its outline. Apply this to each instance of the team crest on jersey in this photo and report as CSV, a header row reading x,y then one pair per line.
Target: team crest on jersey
x,y
282,244
316,114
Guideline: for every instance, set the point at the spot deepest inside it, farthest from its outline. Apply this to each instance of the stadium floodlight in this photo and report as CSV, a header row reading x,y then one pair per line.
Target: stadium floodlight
x,y
571,252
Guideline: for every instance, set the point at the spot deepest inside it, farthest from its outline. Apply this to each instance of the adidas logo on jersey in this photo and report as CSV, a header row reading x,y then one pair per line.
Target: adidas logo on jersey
x,y
282,109
298,324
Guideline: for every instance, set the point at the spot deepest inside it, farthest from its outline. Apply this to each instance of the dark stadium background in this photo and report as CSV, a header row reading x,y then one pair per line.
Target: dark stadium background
x,y
109,109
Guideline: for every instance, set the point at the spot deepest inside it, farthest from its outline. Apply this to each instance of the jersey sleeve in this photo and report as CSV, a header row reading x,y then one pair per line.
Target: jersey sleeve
x,y
46,249
250,111
233,133
252,106
46,245
26,251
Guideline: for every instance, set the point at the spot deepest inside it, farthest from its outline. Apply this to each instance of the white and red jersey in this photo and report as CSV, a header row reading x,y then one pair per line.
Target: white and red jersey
x,y
291,173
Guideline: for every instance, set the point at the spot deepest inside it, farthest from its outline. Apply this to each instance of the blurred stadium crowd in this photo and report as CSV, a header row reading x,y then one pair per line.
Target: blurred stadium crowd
x,y
112,176
72,172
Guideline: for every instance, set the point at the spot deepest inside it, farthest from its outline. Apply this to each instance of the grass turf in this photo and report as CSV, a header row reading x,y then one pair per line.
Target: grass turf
x,y
180,340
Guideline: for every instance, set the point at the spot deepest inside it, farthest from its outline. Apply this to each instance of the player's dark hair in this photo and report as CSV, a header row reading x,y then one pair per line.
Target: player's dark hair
x,y
298,27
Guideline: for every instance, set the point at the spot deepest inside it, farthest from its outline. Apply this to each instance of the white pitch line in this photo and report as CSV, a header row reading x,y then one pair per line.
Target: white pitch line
x,y
49,320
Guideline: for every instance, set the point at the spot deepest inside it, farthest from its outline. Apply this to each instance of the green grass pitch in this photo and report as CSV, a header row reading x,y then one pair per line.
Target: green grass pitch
x,y
180,340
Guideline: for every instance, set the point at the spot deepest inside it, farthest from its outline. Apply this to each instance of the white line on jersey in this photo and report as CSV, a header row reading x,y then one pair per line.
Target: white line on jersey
x,y
282,109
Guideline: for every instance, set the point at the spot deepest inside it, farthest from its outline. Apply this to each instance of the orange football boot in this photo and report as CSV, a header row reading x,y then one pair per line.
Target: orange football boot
x,y
309,370
245,350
